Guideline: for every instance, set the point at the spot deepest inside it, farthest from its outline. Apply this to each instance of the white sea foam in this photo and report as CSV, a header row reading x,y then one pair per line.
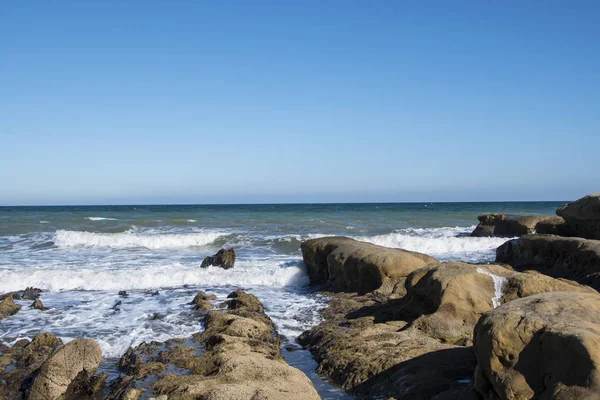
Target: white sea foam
x,y
499,282
442,243
44,222
65,238
101,219
192,220
247,273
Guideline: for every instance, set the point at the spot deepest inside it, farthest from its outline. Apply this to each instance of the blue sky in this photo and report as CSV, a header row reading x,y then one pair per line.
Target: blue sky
x,y
112,102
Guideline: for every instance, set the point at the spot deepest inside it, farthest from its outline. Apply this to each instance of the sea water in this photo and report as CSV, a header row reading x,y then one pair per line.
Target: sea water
x,y
83,256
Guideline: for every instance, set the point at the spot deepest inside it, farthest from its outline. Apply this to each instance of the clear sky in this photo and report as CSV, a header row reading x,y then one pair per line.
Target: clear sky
x,y
112,102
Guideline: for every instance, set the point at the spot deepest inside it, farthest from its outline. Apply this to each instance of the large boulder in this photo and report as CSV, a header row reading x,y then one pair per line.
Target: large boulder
x,y
560,257
504,225
68,370
8,307
224,259
546,346
346,264
583,216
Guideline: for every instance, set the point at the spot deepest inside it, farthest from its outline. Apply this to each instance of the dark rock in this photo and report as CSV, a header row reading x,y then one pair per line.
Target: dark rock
x,y
97,384
116,306
224,259
123,293
31,293
38,305
8,307
554,226
560,257
152,292
503,225
583,216
346,264
540,347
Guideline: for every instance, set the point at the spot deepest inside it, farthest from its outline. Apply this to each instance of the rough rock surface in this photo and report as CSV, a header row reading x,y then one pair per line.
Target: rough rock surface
x,y
224,259
554,226
545,346
202,301
38,305
8,307
67,370
237,356
504,225
583,216
346,264
417,347
560,257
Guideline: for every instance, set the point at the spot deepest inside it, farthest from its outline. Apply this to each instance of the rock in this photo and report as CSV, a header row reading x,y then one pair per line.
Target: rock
x,y
554,226
38,305
68,370
545,346
583,216
560,257
31,293
202,301
237,356
345,264
224,259
528,283
504,225
123,293
8,307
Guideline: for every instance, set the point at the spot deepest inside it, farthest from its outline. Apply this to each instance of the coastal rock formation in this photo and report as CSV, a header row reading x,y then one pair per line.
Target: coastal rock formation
x,y
545,346
8,307
554,226
560,257
503,225
38,305
237,356
224,259
202,301
583,216
349,265
29,293
67,370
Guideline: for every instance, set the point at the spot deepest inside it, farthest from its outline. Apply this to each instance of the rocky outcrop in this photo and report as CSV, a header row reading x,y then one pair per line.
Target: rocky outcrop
x,y
504,225
546,346
68,370
224,259
38,305
346,264
417,347
237,356
203,301
560,257
554,226
8,307
29,293
583,216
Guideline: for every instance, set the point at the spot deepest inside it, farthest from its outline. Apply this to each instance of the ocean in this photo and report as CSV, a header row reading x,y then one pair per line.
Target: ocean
x,y
82,256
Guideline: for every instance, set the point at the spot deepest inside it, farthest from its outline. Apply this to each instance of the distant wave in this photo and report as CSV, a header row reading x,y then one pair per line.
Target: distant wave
x,y
101,219
442,243
65,238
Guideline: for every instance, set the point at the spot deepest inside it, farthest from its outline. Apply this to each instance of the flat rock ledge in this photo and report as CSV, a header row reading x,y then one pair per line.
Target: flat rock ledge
x,y
345,264
572,258
418,347
237,356
505,225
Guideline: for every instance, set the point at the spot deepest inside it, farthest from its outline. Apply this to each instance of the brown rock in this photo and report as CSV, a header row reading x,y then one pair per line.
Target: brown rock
x,y
560,257
554,226
504,225
67,371
38,305
545,346
583,216
224,259
349,265
203,301
8,307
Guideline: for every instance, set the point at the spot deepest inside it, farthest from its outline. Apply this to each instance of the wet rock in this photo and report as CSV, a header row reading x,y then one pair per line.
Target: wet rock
x,y
152,292
544,346
224,259
31,293
97,384
8,307
346,264
203,301
123,293
116,306
583,216
68,370
503,225
572,258
38,305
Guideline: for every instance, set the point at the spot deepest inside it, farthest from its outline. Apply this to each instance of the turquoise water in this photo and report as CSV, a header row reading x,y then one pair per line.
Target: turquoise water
x,y
82,257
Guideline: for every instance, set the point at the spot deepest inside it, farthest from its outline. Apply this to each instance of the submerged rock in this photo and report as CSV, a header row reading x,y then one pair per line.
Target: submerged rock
x,y
8,307
583,216
560,257
224,259
38,305
544,346
346,264
503,225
